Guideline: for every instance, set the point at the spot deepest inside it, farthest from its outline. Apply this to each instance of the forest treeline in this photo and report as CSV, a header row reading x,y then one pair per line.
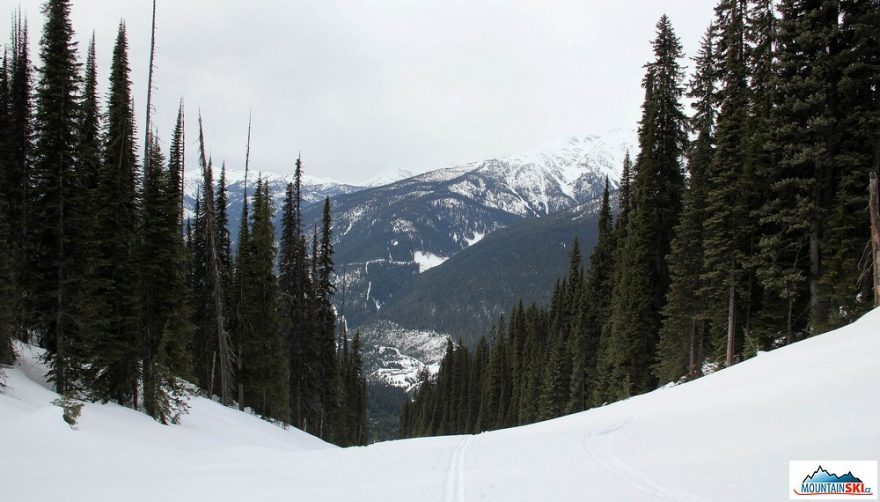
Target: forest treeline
x,y
764,241
131,298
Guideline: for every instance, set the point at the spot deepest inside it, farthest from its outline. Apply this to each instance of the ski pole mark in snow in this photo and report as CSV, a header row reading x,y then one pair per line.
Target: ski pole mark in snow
x,y
455,473
600,446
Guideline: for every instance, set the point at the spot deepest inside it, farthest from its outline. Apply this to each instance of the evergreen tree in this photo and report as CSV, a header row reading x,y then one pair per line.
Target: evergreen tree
x,y
117,339
176,151
596,310
805,142
728,227
17,149
224,248
643,276
89,148
326,328
165,315
844,283
679,351
55,261
239,319
7,354
356,394
294,284
264,373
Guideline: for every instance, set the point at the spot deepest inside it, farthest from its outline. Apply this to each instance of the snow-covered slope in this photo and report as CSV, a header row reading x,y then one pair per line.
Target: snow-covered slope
x,y
728,436
388,177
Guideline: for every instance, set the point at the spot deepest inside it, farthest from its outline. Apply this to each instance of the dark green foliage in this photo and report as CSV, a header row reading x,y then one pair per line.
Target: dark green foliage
x,y
116,340
641,272
804,142
352,424
845,284
327,374
263,370
224,246
7,289
55,261
526,375
591,322
679,351
176,164
97,265
768,234
295,283
165,314
466,295
16,143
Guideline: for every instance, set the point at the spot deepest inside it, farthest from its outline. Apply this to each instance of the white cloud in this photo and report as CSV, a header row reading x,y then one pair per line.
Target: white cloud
x,y
363,87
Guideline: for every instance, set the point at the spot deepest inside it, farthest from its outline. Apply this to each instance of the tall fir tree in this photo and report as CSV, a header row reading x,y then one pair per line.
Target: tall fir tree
x,y
596,310
642,273
17,152
680,349
326,328
224,245
294,284
176,162
265,365
7,354
844,284
238,324
164,312
114,366
805,142
55,259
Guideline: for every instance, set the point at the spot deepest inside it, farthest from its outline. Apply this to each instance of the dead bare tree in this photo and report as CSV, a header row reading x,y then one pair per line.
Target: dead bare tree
x,y
874,208
213,266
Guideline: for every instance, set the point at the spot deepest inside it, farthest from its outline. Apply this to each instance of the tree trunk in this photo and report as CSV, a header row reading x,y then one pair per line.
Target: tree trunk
x,y
731,322
60,342
240,382
874,206
692,349
815,269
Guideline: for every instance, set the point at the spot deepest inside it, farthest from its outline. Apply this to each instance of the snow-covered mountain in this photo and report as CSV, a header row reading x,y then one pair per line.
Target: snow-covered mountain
x,y
391,233
314,190
387,235
726,436
388,177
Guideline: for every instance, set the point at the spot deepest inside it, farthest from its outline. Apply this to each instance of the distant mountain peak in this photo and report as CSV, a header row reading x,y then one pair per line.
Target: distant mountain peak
x,y
388,177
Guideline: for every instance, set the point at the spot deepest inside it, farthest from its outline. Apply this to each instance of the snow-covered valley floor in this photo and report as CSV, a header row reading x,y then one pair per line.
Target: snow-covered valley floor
x,y
728,436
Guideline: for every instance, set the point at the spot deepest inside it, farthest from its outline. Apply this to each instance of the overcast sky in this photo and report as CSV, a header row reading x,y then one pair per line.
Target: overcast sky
x,y
363,87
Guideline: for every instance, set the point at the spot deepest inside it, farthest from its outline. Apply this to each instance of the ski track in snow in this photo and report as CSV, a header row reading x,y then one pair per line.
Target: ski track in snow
x,y
455,473
600,446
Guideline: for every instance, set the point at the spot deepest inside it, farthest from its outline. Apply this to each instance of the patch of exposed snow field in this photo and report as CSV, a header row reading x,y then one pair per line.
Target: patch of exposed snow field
x,y
727,436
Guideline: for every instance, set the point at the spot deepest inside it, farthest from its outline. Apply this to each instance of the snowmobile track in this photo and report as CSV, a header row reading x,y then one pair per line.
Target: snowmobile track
x,y
600,446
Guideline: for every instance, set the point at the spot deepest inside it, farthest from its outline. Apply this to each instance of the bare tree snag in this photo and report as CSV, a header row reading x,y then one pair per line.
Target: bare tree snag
x,y
874,208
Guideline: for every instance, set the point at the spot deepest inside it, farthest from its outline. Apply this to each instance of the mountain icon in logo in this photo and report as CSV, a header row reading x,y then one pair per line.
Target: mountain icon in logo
x,y
823,476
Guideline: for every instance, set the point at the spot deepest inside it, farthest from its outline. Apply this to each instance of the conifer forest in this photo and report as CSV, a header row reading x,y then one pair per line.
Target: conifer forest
x,y
741,226
134,300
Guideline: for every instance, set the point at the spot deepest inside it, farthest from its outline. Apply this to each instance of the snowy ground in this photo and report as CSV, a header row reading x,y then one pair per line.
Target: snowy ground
x,y
728,436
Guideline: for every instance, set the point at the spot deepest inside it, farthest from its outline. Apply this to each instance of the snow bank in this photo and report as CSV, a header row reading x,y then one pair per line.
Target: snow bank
x,y
727,436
